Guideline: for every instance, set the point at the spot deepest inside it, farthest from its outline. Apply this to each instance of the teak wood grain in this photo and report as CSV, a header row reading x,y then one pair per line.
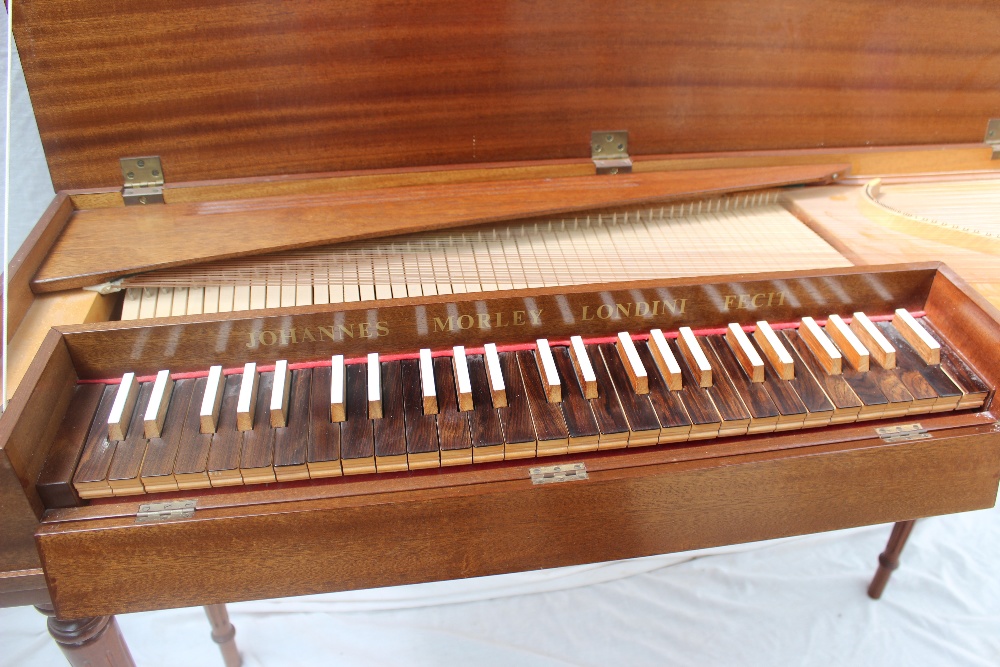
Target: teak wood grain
x,y
251,89
177,234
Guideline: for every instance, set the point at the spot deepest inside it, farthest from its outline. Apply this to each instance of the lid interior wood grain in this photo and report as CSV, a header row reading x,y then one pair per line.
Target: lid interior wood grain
x,y
252,87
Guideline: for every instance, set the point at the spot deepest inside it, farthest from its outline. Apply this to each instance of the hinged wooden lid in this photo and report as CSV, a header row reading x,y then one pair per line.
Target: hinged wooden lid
x,y
256,87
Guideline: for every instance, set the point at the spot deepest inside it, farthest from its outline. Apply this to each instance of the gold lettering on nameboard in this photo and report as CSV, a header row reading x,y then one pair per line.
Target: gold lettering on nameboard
x,y
498,320
754,301
335,334
634,309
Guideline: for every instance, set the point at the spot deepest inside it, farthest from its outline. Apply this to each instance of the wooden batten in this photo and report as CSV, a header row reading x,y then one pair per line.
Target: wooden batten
x,y
178,234
25,262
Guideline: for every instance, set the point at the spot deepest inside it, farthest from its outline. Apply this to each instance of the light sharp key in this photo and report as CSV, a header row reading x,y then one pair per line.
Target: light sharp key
x,y
211,401
374,387
856,353
247,402
121,409
498,391
584,369
872,338
914,334
463,383
664,359
156,410
745,353
826,354
427,389
280,391
547,371
338,389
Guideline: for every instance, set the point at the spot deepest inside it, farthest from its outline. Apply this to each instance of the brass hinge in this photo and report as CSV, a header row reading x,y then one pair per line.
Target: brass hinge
x,y
609,151
562,473
168,511
993,136
903,433
142,179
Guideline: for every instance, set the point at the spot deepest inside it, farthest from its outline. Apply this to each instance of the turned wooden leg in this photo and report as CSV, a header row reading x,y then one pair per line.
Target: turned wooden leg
x,y
89,642
223,633
888,560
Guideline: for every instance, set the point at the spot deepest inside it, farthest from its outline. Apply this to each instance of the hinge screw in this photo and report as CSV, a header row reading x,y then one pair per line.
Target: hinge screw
x,y
141,163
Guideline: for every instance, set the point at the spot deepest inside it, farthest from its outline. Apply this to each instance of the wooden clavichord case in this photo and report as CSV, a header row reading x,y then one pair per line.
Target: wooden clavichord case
x,y
184,133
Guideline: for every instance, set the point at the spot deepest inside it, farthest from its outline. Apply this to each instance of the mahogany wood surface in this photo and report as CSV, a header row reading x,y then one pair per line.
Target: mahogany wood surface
x,y
188,343
52,483
252,88
961,461
519,526
86,642
28,258
888,560
177,234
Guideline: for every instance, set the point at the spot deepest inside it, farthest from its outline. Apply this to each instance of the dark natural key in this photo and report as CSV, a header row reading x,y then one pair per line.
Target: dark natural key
x,y
357,447
191,465
291,443
323,457
484,423
705,419
675,425
846,403
157,472
763,413
547,418
643,425
123,474
792,410
735,416
518,431
257,460
452,424
948,393
421,425
975,391
390,429
580,422
224,456
607,410
91,478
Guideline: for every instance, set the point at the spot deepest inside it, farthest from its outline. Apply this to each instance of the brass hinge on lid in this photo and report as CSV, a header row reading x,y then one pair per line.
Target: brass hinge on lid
x,y
142,179
993,136
609,151
168,511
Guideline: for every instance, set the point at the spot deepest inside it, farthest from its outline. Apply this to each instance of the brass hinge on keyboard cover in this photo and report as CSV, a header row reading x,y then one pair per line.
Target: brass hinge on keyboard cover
x,y
993,136
142,179
902,433
168,511
560,473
